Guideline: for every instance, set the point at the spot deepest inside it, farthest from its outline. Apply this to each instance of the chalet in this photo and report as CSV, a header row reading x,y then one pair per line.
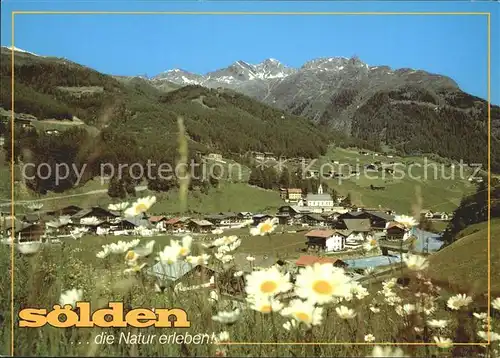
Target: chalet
x,y
31,218
158,221
230,218
32,232
217,219
395,231
180,272
379,219
269,156
175,224
313,220
354,215
358,226
283,193
440,216
99,213
308,260
426,214
316,239
200,226
258,218
8,226
287,214
137,221
244,215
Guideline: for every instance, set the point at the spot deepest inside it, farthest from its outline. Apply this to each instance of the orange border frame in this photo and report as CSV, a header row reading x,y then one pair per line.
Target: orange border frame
x,y
488,16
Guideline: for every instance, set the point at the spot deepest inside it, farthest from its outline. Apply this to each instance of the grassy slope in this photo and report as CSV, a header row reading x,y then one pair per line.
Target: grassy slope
x,y
400,194
465,262
228,197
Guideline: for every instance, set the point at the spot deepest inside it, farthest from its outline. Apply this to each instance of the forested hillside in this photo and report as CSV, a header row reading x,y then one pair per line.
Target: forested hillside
x,y
137,122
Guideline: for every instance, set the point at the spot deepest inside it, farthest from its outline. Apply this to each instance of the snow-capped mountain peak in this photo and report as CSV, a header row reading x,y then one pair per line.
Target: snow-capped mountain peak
x,y
17,49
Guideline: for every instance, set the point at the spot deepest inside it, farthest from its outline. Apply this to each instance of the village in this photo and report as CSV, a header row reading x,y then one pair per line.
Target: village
x,y
330,232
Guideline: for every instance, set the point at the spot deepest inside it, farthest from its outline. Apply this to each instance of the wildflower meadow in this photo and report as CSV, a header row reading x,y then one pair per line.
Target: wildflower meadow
x,y
319,310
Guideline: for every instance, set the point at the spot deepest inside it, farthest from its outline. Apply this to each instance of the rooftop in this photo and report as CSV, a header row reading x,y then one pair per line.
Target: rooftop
x,y
320,233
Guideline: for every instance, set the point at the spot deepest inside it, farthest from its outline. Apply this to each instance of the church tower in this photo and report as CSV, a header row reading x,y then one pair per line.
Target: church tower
x,y
320,189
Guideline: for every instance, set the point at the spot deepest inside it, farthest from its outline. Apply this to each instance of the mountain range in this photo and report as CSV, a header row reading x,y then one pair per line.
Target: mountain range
x,y
405,110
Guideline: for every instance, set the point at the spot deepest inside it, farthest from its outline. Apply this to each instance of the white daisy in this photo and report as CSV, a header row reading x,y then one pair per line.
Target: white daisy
x,y
415,262
405,310
103,253
374,309
321,283
370,244
222,337
70,297
496,303
227,317
345,313
369,338
118,207
458,301
304,311
405,220
481,316
289,325
442,342
264,304
264,228
198,260
267,282
145,250
169,255
437,323
140,206
493,336
386,352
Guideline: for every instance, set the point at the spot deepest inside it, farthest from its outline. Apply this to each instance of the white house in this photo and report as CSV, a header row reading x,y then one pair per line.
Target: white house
x,y
335,242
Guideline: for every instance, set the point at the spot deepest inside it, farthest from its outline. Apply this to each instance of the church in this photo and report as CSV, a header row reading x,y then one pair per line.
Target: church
x,y
319,202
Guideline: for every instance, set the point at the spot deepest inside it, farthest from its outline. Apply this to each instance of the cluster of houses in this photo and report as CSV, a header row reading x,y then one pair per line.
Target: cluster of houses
x,y
99,221
351,229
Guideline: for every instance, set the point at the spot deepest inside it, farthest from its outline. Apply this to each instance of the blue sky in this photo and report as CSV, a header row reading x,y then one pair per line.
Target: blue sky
x,y
455,46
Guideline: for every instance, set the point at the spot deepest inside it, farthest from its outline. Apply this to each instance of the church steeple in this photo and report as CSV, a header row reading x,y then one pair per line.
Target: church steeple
x,y
320,189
